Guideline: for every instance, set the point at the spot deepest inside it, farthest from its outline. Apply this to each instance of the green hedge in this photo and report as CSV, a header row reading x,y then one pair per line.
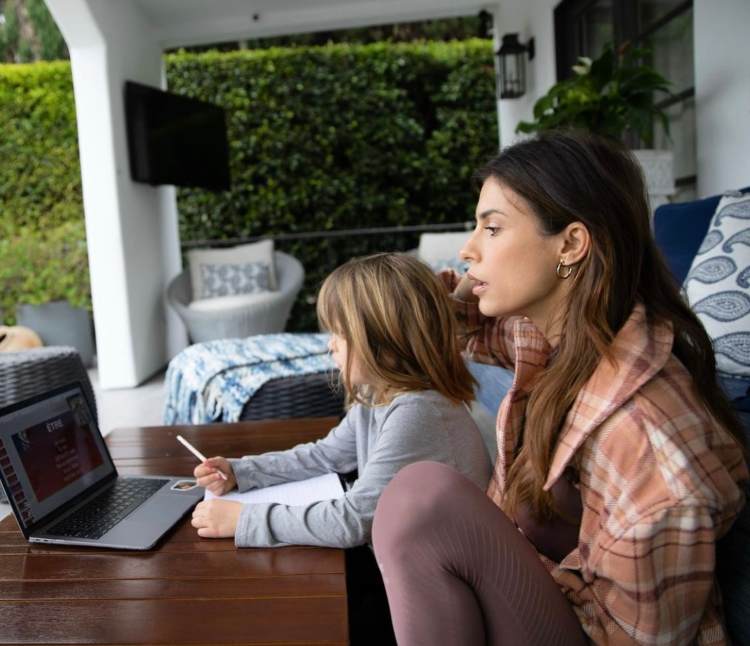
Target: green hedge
x,y
321,138
342,136
41,266
40,177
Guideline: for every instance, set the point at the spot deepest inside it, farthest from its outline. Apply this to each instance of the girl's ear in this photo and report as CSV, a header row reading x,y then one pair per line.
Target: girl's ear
x,y
575,243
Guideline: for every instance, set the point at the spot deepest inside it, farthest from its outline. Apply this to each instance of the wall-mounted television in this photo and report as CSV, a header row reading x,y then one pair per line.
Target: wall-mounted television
x,y
174,139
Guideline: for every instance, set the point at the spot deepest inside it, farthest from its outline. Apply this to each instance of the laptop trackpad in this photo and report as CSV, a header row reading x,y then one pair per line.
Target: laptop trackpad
x,y
146,524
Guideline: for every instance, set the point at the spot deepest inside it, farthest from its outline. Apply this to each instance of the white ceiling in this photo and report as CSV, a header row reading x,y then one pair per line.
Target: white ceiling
x,y
193,22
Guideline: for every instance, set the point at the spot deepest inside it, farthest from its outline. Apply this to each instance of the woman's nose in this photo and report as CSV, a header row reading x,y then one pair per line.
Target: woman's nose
x,y
468,251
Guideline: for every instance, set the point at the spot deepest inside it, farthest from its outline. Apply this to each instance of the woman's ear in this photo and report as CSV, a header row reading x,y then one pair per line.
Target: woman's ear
x,y
575,243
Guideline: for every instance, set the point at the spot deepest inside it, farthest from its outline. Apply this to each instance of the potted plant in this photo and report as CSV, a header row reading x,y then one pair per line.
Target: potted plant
x,y
614,96
49,279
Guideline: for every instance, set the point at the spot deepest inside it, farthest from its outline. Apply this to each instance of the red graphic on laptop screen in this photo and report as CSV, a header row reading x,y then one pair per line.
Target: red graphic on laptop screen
x,y
56,453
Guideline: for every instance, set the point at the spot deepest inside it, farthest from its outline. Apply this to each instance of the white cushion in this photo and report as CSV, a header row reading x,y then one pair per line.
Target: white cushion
x,y
238,257
440,250
434,247
223,303
718,284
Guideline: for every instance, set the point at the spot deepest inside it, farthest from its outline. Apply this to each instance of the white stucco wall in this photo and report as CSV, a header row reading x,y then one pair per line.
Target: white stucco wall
x,y
131,228
722,83
722,94
530,19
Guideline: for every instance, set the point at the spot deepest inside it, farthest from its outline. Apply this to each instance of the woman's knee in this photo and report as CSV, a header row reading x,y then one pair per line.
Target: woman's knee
x,y
416,502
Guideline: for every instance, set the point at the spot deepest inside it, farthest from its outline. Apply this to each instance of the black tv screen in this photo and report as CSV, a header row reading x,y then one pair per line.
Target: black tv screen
x,y
173,139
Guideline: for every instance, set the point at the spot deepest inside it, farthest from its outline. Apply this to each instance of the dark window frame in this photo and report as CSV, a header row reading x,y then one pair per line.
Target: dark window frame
x,y
624,22
625,29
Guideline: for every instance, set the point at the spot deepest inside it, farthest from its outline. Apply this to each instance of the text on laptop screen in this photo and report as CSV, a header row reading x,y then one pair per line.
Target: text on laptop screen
x,y
50,452
56,452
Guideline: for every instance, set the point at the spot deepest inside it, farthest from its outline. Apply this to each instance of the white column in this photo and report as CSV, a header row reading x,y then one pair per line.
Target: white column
x,y
722,94
131,228
496,42
530,20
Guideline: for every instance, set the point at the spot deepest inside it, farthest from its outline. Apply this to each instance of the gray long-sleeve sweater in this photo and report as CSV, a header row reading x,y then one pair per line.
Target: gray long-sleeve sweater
x,y
377,441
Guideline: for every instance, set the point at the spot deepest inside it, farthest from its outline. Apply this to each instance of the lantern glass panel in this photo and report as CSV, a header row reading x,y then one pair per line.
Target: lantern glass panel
x,y
513,76
512,67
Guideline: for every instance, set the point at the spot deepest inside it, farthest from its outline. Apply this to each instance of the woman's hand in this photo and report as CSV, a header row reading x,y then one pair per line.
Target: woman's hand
x,y
207,476
463,290
216,518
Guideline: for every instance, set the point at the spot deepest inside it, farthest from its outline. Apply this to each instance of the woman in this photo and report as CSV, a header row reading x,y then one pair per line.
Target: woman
x,y
618,457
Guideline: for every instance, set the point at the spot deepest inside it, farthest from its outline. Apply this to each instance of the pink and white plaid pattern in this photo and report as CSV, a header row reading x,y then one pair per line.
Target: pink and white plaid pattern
x,y
658,478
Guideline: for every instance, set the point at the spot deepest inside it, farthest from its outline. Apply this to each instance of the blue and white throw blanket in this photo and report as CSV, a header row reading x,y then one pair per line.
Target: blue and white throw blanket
x,y
212,381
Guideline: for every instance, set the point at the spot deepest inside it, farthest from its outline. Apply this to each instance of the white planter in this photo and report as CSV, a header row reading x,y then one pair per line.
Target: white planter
x,y
658,169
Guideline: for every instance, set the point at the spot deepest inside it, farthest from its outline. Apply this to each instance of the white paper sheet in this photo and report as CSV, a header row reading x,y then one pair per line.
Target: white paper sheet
x,y
303,492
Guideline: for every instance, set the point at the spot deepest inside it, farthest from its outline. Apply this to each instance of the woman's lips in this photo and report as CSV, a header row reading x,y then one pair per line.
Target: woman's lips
x,y
479,286
478,289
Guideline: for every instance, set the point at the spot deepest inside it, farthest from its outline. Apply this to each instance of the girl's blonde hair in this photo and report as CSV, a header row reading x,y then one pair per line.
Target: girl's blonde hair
x,y
396,318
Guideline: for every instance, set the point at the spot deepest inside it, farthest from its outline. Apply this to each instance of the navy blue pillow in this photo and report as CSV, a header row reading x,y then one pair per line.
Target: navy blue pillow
x,y
679,230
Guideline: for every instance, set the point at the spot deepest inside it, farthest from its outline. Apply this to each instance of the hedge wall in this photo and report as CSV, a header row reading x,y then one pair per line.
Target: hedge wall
x,y
321,138
342,136
40,177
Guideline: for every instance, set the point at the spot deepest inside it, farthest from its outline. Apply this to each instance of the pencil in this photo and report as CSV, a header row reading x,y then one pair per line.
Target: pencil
x,y
196,453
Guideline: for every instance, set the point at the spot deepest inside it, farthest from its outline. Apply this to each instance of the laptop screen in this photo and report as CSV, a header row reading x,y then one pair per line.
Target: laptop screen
x,y
50,452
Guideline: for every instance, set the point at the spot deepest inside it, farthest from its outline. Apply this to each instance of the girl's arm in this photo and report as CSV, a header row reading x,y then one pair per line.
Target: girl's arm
x,y
335,453
485,339
410,433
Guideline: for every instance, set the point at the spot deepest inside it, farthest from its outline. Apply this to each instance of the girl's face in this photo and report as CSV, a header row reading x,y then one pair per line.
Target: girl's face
x,y
512,262
339,351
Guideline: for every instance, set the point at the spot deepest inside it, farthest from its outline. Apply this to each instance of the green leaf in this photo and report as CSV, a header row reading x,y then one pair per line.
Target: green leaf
x,y
617,94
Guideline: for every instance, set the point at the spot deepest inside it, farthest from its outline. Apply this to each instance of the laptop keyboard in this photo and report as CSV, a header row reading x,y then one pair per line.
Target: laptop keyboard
x,y
101,514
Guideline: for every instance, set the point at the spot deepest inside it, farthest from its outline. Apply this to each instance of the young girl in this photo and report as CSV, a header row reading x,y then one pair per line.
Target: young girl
x,y
619,460
393,336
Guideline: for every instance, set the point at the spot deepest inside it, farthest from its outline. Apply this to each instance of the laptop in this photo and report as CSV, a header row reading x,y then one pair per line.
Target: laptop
x,y
64,488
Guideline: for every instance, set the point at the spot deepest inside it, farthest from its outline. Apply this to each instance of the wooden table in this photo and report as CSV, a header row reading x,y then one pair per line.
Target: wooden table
x,y
188,590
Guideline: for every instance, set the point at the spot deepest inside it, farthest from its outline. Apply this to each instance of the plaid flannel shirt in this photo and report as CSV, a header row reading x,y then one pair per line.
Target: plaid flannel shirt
x,y
658,479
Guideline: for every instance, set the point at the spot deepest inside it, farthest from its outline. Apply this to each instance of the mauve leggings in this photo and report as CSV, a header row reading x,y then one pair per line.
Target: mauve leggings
x,y
458,572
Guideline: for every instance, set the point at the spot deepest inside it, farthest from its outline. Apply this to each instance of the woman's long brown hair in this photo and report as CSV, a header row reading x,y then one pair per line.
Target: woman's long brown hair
x,y
565,177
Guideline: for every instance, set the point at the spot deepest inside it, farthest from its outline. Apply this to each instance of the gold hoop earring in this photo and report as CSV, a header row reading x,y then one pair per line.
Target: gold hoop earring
x,y
561,265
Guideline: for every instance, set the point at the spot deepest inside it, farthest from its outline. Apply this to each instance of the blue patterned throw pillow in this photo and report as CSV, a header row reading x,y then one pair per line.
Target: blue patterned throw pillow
x,y
718,284
232,269
231,279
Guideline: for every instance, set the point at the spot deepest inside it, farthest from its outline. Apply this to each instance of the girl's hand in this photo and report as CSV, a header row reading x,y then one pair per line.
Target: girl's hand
x,y
216,518
207,476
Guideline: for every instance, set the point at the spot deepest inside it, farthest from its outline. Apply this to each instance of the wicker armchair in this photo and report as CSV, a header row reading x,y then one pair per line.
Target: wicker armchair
x,y
267,313
32,372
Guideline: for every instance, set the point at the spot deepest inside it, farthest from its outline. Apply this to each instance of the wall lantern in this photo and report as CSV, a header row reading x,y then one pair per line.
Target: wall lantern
x,y
512,66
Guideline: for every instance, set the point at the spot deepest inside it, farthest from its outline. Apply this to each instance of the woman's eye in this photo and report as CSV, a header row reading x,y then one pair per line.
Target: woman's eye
x,y
492,230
